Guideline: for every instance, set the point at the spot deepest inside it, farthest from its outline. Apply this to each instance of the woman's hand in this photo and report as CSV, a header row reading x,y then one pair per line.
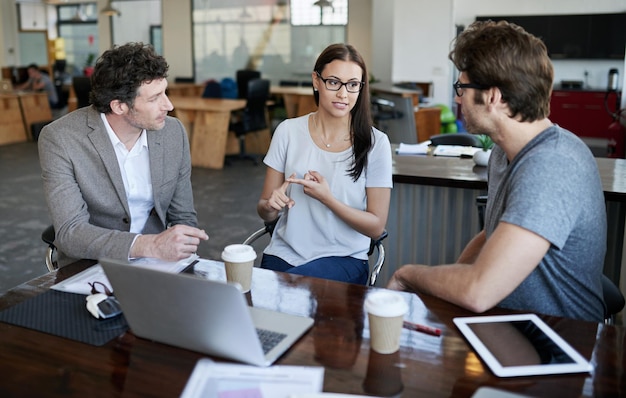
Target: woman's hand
x,y
279,199
314,185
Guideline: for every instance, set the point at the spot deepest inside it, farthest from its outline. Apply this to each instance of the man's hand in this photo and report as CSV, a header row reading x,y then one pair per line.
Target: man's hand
x,y
173,244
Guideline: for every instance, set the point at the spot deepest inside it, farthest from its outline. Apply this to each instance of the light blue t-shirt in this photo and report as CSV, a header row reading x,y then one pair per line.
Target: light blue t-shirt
x,y
553,188
309,230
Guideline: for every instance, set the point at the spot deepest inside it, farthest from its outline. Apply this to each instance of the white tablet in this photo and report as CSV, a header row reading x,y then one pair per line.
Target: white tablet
x,y
520,345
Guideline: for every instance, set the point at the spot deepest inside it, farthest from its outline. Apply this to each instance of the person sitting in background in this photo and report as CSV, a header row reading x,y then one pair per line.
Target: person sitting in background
x,y
116,174
39,81
328,177
544,241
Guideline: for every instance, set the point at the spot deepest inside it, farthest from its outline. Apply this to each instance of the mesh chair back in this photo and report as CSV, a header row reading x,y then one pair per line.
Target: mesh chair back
x,y
254,117
82,87
243,77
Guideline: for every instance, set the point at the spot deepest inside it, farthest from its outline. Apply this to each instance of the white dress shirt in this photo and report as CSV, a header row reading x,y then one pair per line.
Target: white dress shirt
x,y
135,170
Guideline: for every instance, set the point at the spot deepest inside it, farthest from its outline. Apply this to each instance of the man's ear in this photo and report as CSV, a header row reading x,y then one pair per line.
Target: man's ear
x,y
118,107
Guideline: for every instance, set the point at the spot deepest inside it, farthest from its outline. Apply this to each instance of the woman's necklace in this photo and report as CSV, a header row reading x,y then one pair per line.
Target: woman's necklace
x,y
319,131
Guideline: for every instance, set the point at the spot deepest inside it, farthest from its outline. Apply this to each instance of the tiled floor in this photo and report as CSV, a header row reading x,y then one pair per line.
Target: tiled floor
x,y
225,201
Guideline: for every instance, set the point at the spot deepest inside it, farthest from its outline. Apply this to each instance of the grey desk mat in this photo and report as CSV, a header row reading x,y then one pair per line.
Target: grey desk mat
x,y
65,315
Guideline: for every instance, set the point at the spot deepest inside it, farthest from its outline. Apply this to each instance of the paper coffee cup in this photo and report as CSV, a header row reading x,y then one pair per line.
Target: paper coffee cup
x,y
239,261
385,310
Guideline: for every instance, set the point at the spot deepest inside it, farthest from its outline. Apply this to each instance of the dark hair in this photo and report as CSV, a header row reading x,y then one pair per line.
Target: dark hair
x,y
32,66
502,54
120,71
361,120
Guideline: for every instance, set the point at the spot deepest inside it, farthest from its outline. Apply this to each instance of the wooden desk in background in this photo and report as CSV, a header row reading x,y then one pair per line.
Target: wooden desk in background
x,y
206,121
185,89
38,364
11,121
298,101
18,111
35,108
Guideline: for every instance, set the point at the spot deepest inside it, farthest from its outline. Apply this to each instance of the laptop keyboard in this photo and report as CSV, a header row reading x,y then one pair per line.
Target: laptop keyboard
x,y
269,339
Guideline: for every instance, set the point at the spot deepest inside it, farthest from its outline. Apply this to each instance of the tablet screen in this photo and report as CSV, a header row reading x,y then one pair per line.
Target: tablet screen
x,y
520,345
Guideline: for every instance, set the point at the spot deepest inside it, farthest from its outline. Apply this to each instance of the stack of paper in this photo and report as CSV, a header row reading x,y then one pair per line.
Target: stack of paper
x,y
455,150
413,149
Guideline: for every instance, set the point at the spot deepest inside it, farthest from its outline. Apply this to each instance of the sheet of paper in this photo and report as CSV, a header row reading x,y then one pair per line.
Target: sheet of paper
x,y
455,150
225,380
79,283
413,149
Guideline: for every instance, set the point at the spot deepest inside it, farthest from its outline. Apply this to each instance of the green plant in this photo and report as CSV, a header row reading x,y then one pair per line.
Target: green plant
x,y
90,58
485,141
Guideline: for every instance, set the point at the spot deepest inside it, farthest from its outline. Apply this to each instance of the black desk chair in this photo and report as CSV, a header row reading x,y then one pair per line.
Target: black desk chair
x,y
613,297
375,244
253,117
463,139
82,88
243,76
48,237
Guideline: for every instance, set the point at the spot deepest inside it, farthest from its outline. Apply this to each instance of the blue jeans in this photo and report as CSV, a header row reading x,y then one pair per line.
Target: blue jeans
x,y
342,269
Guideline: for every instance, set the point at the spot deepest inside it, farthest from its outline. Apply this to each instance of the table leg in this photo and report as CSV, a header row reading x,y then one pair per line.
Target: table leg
x,y
208,141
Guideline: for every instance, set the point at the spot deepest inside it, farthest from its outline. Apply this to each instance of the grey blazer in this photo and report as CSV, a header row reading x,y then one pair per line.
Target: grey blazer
x,y
85,192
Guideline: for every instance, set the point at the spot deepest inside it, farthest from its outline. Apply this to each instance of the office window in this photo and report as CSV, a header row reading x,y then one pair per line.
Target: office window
x,y
260,37
317,12
78,26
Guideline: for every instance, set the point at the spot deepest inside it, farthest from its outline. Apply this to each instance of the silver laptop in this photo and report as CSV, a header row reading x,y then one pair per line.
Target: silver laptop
x,y
6,86
198,314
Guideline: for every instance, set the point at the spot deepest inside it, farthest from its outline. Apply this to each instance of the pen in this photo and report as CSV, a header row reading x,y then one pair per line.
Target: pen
x,y
421,328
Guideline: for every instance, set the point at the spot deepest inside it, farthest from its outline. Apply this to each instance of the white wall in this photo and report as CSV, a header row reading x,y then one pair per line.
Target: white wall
x,y
411,38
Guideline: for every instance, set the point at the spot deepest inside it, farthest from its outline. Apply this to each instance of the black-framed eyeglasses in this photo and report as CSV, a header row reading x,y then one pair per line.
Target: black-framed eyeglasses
x,y
352,86
458,87
94,289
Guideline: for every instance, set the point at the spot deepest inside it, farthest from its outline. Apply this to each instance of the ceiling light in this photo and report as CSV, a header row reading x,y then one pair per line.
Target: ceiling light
x,y
323,3
110,11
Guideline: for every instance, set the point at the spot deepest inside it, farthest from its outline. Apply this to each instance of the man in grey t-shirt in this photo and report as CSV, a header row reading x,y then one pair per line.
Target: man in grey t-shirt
x,y
544,241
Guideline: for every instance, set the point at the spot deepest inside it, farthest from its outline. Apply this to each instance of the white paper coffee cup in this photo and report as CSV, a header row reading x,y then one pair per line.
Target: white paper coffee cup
x,y
238,262
386,310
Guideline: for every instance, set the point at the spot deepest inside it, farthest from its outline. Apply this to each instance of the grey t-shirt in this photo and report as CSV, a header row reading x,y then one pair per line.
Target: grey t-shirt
x,y
553,189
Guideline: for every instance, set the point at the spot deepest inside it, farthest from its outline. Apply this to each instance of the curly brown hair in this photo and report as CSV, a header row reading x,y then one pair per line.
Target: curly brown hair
x,y
120,71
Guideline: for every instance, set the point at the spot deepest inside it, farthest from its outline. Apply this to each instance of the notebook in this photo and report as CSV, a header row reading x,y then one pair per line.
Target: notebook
x,y
212,317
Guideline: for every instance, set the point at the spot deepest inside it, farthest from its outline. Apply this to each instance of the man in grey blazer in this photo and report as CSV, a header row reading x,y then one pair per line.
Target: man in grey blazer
x,y
116,174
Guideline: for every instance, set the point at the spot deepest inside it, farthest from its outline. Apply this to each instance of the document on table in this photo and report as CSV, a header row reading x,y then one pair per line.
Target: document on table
x,y
79,283
225,380
413,149
455,150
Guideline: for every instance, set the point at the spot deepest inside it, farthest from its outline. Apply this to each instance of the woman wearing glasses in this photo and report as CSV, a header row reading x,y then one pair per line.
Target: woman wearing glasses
x,y
328,177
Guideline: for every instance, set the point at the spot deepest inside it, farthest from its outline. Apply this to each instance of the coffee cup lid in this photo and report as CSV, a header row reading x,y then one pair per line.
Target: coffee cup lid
x,y
238,253
386,304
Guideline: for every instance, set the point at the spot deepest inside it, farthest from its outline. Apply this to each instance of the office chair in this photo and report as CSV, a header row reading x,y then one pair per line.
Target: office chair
x,y
243,76
212,89
253,117
463,139
375,244
613,297
82,87
48,237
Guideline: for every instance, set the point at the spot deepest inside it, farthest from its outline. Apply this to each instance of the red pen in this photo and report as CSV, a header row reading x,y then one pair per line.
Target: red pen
x,y
421,328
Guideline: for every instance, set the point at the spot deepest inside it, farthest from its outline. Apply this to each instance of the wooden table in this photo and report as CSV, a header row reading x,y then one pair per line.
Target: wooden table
x,y
298,100
206,121
185,89
35,108
433,211
11,121
37,364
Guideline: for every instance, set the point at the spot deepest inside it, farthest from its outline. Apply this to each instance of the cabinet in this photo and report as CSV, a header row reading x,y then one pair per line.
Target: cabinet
x,y
32,16
584,114
585,36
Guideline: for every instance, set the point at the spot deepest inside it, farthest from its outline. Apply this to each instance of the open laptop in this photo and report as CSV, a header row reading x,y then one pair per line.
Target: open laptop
x,y
211,317
6,86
